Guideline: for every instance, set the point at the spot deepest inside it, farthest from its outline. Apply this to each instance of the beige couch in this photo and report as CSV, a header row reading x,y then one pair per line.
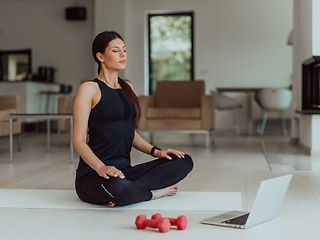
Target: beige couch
x,y
65,105
9,105
178,106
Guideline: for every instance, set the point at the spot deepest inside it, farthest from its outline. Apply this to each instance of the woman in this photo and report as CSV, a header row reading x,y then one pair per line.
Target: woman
x,y
108,110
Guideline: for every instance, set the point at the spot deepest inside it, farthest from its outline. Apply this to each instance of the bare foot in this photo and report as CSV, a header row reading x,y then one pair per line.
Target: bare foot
x,y
169,191
111,204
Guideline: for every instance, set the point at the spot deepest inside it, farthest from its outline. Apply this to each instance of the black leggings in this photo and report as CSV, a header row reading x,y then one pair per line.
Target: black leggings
x,y
137,184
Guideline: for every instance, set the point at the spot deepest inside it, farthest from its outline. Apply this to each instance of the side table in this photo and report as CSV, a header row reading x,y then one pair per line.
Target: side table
x,y
48,118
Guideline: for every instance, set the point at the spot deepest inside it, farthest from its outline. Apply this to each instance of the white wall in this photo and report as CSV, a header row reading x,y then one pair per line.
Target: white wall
x,y
41,26
315,28
237,43
109,16
302,43
306,44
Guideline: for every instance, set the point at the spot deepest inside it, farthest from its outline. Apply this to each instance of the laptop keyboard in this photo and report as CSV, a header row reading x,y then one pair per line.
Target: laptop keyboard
x,y
238,220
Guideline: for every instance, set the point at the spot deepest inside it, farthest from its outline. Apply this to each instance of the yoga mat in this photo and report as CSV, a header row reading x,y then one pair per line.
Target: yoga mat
x,y
67,199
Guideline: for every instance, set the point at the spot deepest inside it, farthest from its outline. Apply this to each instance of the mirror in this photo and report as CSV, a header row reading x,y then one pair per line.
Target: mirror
x,y
15,65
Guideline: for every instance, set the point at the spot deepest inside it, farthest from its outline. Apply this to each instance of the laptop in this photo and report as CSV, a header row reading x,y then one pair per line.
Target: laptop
x,y
265,207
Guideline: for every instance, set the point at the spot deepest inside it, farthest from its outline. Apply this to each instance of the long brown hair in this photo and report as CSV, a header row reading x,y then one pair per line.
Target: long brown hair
x,y
99,44
133,98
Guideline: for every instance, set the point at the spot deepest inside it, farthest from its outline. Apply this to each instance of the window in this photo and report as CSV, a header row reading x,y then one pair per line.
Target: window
x,y
170,47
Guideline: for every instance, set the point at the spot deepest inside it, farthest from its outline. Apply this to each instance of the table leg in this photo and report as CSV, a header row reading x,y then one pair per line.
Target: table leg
x,y
208,139
10,140
250,117
48,135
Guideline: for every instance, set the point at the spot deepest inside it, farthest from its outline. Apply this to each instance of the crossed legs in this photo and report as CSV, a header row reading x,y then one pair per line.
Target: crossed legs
x,y
143,182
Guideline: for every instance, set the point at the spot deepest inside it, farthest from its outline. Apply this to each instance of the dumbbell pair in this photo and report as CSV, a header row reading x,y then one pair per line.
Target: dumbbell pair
x,y
163,224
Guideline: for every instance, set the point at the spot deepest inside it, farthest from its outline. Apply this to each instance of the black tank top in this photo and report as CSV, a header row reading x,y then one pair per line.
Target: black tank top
x,y
111,129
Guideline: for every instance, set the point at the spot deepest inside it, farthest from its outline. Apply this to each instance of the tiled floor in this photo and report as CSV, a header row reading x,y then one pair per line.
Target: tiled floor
x,y
232,164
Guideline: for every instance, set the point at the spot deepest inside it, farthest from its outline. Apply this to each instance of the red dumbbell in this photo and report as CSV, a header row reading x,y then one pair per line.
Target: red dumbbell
x,y
163,224
181,222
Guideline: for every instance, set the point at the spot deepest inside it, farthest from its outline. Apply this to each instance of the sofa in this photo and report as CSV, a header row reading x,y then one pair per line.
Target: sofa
x,y
9,104
178,106
65,105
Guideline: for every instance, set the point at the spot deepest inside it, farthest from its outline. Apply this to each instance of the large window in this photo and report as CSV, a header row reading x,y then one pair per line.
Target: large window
x,y
170,47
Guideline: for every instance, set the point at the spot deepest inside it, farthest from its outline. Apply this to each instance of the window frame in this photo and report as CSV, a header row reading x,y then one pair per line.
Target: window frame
x,y
149,16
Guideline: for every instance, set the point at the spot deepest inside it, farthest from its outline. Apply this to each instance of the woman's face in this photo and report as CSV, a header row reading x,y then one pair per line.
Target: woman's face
x,y
114,56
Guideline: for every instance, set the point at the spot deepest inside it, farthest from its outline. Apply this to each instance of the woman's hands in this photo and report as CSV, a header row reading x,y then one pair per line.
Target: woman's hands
x,y
143,146
165,153
109,171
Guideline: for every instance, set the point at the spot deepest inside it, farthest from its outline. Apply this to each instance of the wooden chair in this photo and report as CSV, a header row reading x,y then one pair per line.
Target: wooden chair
x,y
8,105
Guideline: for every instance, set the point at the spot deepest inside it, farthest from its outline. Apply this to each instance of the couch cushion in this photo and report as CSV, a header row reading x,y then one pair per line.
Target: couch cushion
x,y
179,94
5,114
174,124
4,128
174,113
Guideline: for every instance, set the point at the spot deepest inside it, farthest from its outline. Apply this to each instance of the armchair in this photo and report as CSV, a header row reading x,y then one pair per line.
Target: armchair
x,y
225,103
65,105
9,105
274,100
178,106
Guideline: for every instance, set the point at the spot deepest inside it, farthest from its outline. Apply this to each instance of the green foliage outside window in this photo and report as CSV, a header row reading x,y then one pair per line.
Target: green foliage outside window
x,y
170,48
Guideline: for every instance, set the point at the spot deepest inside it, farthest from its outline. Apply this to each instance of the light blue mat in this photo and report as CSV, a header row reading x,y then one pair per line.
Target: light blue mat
x,y
67,199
